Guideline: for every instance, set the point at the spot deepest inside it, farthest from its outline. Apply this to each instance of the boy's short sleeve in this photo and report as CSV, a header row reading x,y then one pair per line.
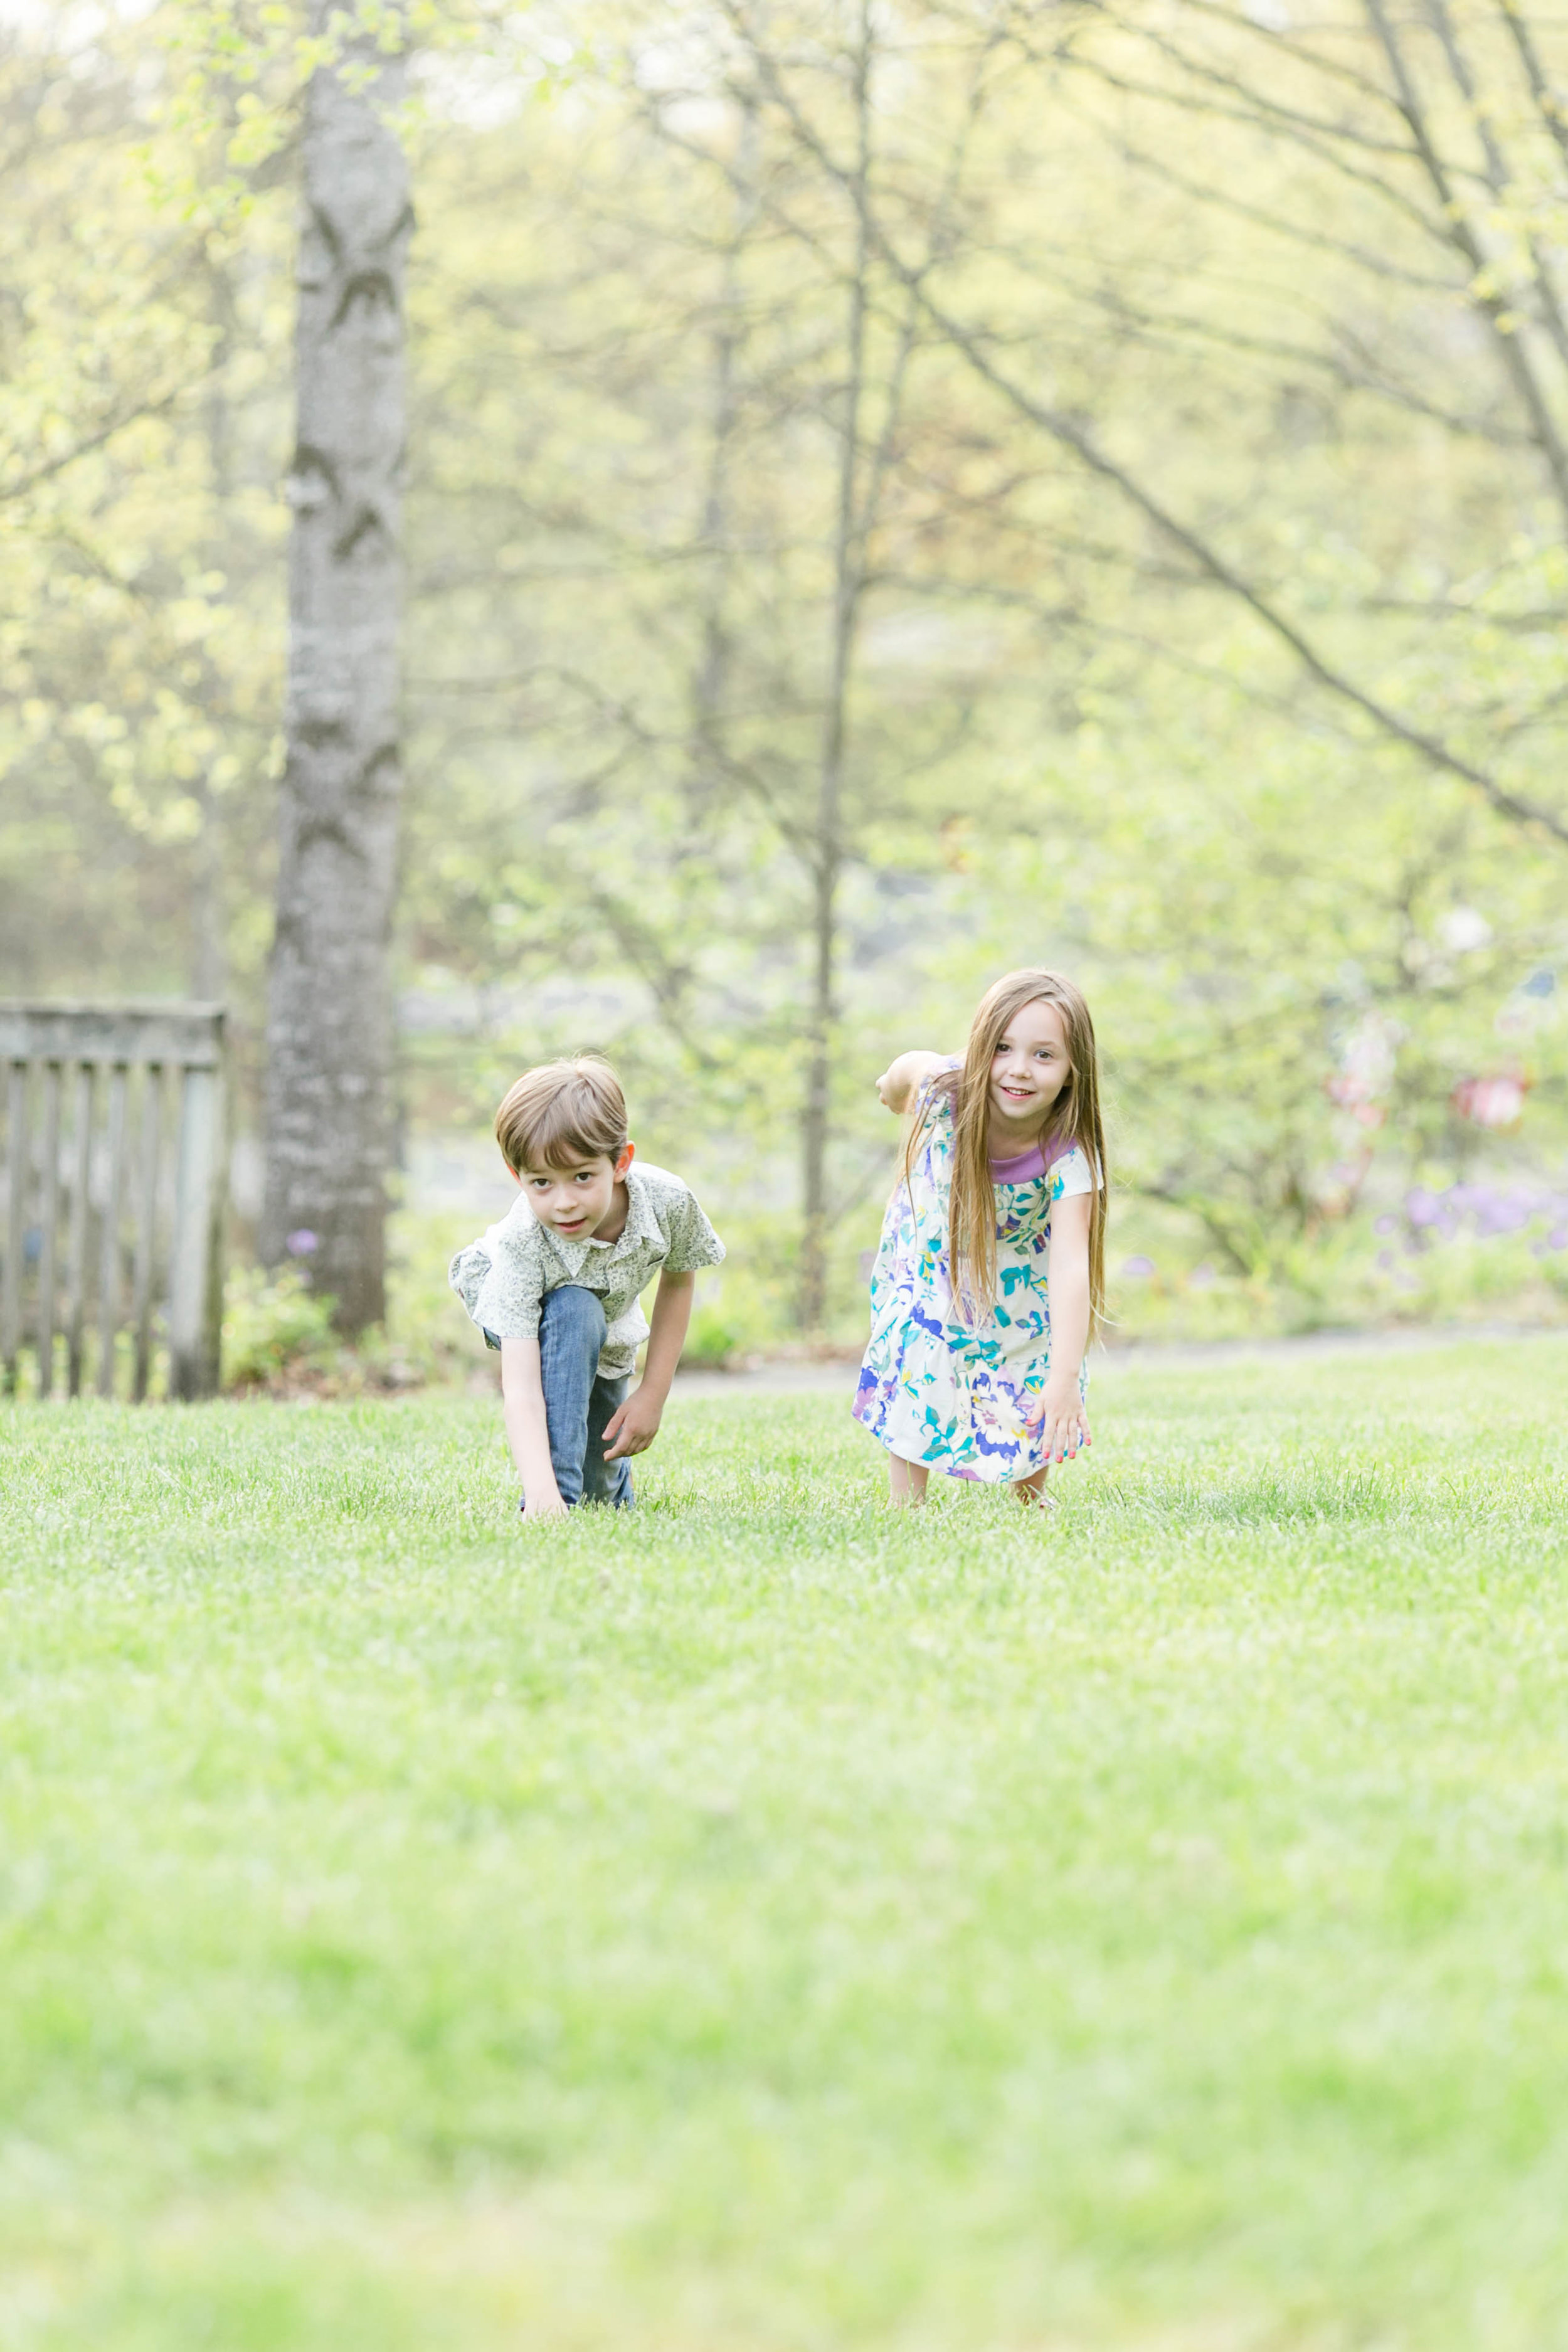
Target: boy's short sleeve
x,y
692,1240
1073,1174
501,1281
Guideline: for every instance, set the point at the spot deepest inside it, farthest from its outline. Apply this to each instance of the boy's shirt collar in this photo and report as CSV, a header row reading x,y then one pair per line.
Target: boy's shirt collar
x,y
641,1224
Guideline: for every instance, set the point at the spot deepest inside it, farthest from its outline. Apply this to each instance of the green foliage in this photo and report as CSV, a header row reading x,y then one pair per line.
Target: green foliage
x,y
275,1325
143,399
712,1339
761,1920
278,1332
627,440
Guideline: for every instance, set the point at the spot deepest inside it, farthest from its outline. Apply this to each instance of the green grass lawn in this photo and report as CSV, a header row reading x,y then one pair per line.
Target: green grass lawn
x,y
761,1922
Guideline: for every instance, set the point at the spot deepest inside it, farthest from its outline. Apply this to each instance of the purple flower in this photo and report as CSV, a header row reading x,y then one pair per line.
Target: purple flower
x,y
1385,1224
1500,1213
1421,1207
301,1244
1138,1266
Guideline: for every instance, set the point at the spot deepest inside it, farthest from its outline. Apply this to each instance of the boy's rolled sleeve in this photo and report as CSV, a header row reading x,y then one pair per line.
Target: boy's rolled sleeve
x,y
501,1286
693,1244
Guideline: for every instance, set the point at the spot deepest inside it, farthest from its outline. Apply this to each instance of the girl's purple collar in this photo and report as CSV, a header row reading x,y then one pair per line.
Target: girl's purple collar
x,y
1025,1166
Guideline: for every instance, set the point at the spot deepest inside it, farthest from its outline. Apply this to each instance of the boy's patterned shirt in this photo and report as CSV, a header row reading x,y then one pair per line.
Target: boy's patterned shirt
x,y
502,1277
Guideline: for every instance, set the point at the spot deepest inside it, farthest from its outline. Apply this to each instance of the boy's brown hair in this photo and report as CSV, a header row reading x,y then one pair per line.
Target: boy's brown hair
x,y
561,1114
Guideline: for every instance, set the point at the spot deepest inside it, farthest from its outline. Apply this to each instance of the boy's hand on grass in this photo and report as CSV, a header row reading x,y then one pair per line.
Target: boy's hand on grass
x,y
1063,1423
549,1507
635,1427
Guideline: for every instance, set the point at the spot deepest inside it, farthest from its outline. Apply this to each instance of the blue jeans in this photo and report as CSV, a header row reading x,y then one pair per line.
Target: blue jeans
x,y
578,1404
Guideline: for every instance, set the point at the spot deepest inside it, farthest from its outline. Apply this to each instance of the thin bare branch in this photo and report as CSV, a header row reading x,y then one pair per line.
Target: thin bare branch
x,y
1075,435
1552,110
1372,181
1172,326
1498,178
1376,265
1283,118
21,486
1510,348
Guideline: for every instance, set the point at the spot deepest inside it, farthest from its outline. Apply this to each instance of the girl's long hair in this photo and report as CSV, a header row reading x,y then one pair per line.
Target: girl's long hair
x,y
1073,1118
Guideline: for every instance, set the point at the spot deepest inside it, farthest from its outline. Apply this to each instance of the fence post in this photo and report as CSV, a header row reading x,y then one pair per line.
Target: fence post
x,y
146,1230
108,1232
48,1301
76,1262
16,1218
195,1280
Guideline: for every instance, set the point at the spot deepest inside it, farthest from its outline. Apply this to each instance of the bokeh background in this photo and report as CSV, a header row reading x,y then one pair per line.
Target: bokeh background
x,y
891,494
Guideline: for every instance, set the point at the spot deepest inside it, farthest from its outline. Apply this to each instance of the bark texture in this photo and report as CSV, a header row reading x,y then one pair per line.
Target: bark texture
x,y
329,1015
850,531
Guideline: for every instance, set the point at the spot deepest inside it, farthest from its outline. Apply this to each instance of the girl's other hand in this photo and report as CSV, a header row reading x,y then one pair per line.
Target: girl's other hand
x,y
1063,1423
904,1076
549,1507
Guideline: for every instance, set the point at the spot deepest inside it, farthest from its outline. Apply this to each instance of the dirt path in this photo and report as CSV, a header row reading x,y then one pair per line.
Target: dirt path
x,y
784,1379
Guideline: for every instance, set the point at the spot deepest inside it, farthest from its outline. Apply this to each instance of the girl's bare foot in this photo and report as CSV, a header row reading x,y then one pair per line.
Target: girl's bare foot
x,y
1032,1492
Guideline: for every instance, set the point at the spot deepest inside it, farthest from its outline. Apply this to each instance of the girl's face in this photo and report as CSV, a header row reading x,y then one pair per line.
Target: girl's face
x,y
1029,1067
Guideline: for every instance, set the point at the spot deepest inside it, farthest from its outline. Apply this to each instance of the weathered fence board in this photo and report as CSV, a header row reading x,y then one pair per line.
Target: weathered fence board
x,y
81,1081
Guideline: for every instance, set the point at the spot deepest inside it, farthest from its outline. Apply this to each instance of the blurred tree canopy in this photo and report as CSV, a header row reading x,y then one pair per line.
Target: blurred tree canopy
x,y
892,492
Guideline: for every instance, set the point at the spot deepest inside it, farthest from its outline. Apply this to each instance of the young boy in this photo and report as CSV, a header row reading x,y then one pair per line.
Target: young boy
x,y
555,1285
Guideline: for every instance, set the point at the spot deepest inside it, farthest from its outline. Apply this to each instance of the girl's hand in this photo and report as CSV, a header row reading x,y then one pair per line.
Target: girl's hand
x,y
904,1076
1063,1423
549,1505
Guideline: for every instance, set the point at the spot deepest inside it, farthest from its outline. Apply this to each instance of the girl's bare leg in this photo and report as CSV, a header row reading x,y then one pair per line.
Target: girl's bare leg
x,y
1032,1490
906,1481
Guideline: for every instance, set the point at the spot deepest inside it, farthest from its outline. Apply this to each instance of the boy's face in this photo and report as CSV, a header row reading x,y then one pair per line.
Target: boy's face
x,y
574,1202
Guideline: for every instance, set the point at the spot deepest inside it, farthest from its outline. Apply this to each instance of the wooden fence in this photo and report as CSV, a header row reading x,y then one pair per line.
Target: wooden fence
x,y
105,1232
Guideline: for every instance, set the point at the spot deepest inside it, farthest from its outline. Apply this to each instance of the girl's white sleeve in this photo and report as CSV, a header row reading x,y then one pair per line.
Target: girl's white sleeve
x,y
1073,1174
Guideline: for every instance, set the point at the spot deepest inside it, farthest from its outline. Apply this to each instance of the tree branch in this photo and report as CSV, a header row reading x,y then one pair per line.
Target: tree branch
x,y
1497,177
20,486
1315,240
1076,436
1514,357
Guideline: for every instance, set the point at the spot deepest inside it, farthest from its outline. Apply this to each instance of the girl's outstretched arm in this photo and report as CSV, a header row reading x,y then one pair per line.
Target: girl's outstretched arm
x,y
905,1075
1063,1423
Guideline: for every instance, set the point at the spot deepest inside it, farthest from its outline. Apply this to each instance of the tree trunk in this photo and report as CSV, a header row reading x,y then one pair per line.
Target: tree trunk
x,y
209,925
329,1024
816,1111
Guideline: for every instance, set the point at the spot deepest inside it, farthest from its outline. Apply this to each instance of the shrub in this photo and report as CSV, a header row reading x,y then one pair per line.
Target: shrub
x,y
275,1325
712,1339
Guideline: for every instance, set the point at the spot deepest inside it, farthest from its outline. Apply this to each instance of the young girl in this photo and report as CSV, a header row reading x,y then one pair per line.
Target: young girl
x,y
973,1367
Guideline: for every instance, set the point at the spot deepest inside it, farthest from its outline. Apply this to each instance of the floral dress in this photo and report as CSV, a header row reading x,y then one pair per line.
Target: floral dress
x,y
932,1390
